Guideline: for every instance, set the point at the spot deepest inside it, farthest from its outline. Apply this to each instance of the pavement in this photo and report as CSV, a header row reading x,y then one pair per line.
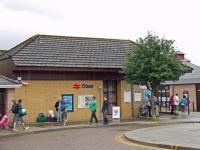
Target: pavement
x,y
175,132
178,132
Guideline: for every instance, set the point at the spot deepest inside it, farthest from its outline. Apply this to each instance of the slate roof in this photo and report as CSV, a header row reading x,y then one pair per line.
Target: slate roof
x,y
8,83
188,78
64,51
2,51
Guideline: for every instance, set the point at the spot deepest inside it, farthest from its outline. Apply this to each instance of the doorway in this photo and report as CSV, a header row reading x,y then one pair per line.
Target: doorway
x,y
2,101
110,91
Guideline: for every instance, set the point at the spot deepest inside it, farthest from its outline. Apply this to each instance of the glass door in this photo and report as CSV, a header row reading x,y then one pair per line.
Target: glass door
x,y
110,91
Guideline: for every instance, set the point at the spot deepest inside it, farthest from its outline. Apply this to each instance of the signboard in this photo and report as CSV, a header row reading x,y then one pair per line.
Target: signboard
x,y
143,87
84,86
127,96
116,112
70,102
137,96
84,100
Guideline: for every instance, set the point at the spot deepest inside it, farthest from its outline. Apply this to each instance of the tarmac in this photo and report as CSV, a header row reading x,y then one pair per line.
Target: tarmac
x,y
173,132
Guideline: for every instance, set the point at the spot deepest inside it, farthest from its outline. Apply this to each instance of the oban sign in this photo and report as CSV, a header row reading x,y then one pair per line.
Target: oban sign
x,y
84,86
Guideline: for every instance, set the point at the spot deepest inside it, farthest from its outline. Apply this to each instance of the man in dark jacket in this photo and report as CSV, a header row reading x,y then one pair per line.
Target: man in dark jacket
x,y
58,110
105,111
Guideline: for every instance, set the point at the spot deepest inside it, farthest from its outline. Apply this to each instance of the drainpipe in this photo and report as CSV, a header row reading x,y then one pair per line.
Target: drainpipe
x,y
132,103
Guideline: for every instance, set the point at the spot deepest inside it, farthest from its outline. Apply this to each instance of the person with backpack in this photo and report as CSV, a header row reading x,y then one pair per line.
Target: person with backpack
x,y
183,103
18,112
14,110
63,108
58,110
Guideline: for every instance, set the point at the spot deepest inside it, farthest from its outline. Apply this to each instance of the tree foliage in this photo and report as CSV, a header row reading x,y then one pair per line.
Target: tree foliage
x,y
153,61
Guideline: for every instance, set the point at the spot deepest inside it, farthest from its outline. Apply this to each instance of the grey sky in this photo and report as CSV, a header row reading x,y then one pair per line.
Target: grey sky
x,y
124,19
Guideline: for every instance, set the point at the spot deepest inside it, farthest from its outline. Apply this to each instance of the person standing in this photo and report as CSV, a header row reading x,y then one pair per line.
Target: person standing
x,y
92,108
63,107
171,102
183,103
15,111
105,111
58,111
176,103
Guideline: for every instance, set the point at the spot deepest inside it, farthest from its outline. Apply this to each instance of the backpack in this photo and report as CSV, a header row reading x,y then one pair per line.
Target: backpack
x,y
15,108
22,112
63,105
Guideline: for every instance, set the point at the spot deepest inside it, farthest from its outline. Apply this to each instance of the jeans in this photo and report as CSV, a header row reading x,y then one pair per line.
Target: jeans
x,y
59,115
172,109
93,115
105,119
64,115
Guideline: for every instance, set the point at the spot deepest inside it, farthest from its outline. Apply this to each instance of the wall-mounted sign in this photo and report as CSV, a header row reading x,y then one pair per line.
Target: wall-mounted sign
x,y
143,87
70,102
137,96
84,100
127,96
78,86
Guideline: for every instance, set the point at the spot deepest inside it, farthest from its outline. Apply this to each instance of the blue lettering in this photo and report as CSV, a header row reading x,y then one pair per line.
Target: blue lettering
x,y
87,86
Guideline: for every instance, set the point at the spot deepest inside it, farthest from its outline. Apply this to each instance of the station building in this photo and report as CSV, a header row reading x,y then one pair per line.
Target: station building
x,y
52,67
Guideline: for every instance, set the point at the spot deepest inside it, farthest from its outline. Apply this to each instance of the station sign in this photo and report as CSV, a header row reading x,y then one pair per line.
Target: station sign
x,y
84,86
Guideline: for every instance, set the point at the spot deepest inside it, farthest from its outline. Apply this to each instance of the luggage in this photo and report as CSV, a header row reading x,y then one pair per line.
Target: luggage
x,y
4,122
42,117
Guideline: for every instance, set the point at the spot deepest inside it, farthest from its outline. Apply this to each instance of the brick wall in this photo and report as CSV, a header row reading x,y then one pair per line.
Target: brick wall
x,y
10,95
180,88
40,96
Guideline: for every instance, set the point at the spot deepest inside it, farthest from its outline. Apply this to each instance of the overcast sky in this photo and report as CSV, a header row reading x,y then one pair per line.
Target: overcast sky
x,y
178,20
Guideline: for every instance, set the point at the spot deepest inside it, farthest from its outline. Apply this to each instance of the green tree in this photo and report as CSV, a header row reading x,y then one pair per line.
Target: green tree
x,y
151,62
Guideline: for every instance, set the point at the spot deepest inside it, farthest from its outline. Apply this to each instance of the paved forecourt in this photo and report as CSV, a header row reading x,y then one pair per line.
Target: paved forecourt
x,y
178,136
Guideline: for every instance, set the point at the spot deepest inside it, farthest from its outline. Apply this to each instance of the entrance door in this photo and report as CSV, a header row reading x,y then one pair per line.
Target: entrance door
x,y
2,101
110,91
198,97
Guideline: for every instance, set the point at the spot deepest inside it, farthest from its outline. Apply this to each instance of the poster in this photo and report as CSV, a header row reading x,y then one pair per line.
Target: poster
x,y
116,112
70,104
137,96
127,96
84,100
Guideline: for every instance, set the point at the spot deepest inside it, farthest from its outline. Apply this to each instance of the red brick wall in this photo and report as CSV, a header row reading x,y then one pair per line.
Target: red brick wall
x,y
189,87
10,95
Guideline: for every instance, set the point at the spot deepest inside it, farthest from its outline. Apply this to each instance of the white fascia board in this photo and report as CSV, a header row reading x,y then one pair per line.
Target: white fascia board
x,y
10,86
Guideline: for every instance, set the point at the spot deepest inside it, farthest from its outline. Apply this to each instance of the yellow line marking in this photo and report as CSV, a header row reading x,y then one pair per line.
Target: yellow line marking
x,y
119,139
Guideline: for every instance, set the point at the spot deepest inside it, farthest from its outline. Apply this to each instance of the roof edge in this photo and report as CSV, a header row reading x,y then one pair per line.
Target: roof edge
x,y
65,69
11,80
62,36
18,47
